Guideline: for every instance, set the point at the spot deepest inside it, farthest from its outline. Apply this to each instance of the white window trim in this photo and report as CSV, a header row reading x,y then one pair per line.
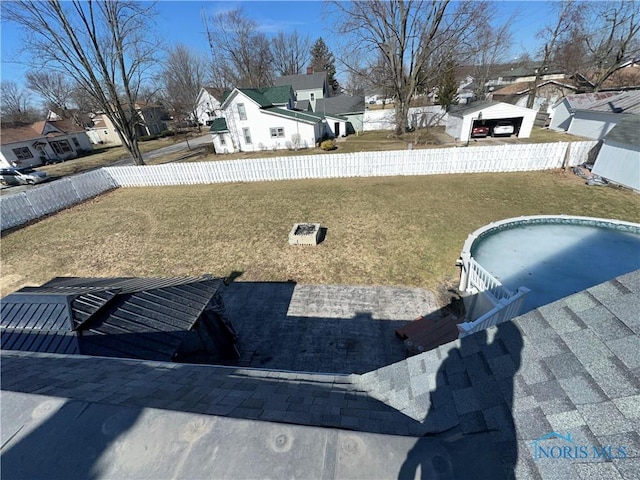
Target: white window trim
x,y
246,133
21,151
242,112
276,132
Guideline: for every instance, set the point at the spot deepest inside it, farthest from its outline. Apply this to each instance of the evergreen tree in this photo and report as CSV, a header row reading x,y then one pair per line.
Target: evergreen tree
x,y
322,60
448,87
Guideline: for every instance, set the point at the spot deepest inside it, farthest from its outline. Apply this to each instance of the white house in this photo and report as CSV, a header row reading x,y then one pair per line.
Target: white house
x,y
311,86
598,119
42,142
344,113
563,111
207,106
619,157
462,120
256,119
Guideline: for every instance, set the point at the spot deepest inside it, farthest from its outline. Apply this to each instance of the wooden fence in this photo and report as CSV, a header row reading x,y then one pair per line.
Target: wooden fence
x,y
494,158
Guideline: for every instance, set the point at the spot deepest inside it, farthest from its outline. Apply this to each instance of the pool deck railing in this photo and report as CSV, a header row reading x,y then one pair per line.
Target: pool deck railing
x,y
504,310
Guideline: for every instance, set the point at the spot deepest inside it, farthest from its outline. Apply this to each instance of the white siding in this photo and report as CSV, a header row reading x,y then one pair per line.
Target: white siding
x,y
494,112
9,157
561,117
619,164
593,125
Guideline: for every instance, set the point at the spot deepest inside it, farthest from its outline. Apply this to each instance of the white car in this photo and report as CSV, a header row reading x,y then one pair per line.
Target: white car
x,y
503,128
21,176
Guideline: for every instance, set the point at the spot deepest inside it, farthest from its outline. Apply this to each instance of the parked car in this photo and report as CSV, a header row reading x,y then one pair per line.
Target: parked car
x,y
21,176
480,131
503,128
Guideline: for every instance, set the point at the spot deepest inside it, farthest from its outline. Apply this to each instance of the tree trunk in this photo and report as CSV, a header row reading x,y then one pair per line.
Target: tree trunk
x,y
402,113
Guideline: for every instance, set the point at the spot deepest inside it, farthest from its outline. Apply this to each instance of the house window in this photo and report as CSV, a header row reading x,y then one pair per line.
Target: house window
x,y
247,136
312,96
277,132
223,142
22,153
242,113
75,142
61,147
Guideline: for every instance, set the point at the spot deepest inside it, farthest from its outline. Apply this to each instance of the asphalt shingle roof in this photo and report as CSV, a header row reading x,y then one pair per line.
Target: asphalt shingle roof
x,y
626,131
302,82
340,105
569,367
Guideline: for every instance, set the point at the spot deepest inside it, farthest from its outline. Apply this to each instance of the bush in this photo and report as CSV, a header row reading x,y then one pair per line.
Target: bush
x,y
146,138
166,133
328,145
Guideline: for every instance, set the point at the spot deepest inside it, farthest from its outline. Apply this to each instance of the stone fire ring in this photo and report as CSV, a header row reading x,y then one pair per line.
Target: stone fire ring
x,y
304,234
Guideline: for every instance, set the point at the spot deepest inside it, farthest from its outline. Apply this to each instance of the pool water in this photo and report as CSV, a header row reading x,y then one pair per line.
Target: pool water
x,y
556,260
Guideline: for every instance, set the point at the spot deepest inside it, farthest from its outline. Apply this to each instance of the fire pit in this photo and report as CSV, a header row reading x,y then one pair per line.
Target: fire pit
x,y
304,234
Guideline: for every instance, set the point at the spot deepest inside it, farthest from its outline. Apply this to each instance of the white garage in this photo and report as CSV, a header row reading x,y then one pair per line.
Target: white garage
x,y
461,121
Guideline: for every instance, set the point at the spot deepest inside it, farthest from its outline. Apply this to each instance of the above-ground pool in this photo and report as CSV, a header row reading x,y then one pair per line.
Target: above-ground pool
x,y
555,256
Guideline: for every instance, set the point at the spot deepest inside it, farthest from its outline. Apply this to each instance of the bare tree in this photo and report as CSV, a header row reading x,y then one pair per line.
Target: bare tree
x,y
15,105
612,37
290,53
182,78
106,47
567,16
488,48
241,54
414,37
54,87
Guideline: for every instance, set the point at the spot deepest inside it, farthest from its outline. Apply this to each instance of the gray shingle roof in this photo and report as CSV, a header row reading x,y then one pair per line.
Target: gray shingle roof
x,y
624,102
340,105
626,131
569,367
302,82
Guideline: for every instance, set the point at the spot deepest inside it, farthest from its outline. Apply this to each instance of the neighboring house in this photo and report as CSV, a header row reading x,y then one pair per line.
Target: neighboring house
x,y
344,113
548,93
311,86
207,106
619,157
42,142
162,319
461,120
103,131
598,119
524,75
562,112
152,118
264,119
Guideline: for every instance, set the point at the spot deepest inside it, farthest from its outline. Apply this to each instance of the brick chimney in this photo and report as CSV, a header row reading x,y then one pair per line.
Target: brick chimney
x,y
309,70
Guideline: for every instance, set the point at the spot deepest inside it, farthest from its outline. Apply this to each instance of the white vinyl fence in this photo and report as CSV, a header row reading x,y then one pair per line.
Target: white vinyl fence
x,y
42,200
495,158
39,201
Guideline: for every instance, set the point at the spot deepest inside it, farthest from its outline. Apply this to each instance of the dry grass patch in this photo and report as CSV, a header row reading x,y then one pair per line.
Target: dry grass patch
x,y
389,231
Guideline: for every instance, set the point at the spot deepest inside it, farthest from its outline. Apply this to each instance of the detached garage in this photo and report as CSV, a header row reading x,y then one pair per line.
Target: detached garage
x,y
461,121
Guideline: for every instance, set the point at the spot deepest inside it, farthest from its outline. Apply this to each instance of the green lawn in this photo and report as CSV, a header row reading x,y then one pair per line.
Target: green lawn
x,y
380,231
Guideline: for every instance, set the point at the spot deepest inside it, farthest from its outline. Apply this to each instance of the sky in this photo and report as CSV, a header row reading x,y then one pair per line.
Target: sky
x,y
181,22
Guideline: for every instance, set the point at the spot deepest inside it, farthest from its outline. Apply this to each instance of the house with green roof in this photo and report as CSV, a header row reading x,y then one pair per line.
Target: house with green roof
x,y
256,119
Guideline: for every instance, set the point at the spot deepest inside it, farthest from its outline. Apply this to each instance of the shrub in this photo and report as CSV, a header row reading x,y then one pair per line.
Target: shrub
x,y
146,138
328,145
